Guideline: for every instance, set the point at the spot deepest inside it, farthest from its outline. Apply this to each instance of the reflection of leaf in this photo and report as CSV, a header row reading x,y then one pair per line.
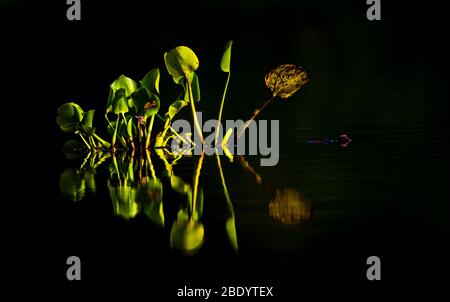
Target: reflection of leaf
x,y
178,185
72,185
124,200
231,232
187,235
151,197
285,80
89,179
88,118
69,117
226,57
180,62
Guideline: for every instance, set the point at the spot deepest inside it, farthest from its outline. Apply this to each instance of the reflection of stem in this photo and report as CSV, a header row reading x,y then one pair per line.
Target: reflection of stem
x,y
150,165
116,166
196,179
225,190
253,116
84,140
149,132
221,108
194,112
85,160
244,163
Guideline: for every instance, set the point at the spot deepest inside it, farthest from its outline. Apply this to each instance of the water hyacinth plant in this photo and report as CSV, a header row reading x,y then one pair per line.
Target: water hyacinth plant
x,y
131,108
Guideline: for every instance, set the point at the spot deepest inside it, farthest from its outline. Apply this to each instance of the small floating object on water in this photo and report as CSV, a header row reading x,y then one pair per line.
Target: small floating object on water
x,y
343,140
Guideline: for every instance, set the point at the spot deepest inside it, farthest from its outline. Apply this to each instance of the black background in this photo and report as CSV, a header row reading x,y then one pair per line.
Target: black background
x,y
48,60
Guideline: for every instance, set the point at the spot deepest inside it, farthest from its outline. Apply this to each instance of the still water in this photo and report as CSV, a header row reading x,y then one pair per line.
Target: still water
x,y
318,214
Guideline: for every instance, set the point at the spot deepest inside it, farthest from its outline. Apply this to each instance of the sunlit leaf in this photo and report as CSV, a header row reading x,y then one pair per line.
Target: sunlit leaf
x,y
151,81
147,103
180,62
226,57
120,104
69,116
187,235
175,108
72,185
285,80
130,127
231,232
127,84
88,118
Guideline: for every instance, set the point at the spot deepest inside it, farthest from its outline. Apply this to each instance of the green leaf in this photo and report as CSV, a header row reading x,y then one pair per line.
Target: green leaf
x,y
231,232
120,104
127,84
72,185
285,80
88,118
187,235
69,116
147,103
130,127
151,81
180,62
226,57
175,108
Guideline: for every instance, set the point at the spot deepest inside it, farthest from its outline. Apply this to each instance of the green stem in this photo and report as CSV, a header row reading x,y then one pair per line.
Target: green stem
x,y
255,113
113,142
194,112
85,142
102,141
174,132
149,132
221,108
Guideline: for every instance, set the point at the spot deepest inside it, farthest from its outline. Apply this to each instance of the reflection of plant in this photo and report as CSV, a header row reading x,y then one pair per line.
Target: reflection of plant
x,y
290,207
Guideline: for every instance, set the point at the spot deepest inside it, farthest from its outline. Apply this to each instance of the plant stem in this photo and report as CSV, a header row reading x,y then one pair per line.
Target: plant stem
x,y
149,132
102,141
113,142
221,108
194,112
174,132
85,142
252,117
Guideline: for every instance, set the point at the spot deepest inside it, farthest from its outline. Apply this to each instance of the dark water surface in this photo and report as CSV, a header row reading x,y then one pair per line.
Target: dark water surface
x,y
386,194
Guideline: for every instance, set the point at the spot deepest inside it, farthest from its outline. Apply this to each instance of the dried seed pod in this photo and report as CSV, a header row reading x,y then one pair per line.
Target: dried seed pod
x,y
285,80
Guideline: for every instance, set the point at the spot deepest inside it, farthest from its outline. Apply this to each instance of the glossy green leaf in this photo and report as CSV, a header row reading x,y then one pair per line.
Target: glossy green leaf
x,y
130,127
120,104
151,81
180,62
69,116
285,80
226,57
187,235
72,185
122,82
231,232
147,103
88,118
175,108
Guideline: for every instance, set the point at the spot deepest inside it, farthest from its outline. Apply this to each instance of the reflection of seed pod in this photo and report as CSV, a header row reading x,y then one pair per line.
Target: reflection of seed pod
x,y
285,80
290,207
